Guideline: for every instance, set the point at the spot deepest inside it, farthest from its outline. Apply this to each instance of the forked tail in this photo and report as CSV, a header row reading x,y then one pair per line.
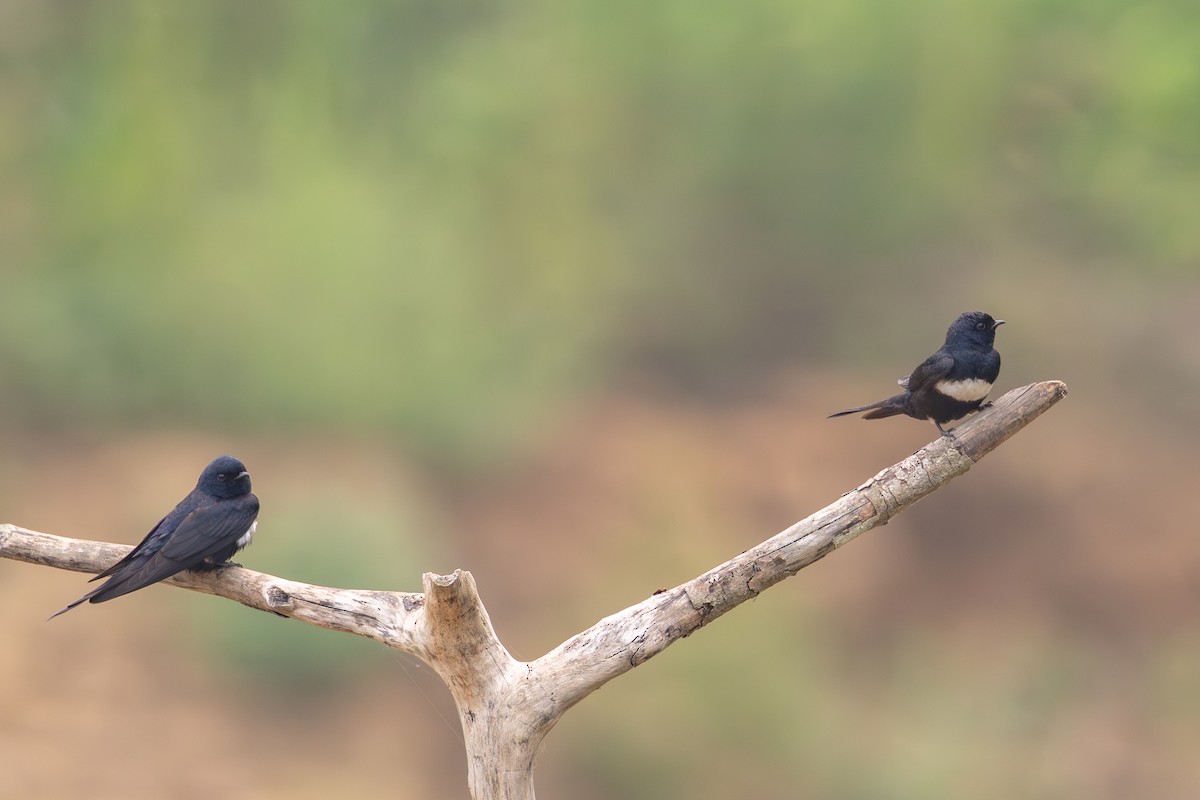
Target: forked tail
x,y
884,408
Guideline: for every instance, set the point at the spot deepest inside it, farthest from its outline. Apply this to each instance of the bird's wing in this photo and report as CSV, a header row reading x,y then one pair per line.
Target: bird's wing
x,y
135,552
210,529
930,371
202,533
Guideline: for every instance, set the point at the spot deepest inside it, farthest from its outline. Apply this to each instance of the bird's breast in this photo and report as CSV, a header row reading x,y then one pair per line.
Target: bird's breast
x,y
968,390
248,535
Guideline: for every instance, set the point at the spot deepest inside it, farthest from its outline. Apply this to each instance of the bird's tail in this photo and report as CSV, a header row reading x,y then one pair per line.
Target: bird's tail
x,y
74,603
884,408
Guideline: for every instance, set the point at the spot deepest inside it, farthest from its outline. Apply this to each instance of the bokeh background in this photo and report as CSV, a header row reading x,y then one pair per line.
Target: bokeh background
x,y
560,292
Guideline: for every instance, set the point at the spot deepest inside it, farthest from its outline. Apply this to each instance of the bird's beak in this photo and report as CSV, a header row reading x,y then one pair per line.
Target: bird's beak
x,y
997,324
243,474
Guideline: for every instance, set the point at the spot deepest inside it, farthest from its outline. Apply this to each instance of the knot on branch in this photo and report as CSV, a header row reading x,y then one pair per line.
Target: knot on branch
x,y
278,598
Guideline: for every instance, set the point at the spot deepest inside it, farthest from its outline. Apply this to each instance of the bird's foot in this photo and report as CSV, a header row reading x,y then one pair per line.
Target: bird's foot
x,y
988,404
213,566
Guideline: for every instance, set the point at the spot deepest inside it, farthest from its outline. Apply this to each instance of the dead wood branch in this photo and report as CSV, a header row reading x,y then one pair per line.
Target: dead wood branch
x,y
506,706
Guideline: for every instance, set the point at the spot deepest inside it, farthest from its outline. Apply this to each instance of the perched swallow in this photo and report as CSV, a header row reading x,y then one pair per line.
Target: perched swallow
x,y
952,382
203,532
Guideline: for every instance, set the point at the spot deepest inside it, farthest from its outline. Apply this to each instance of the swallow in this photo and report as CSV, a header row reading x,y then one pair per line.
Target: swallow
x,y
214,521
952,382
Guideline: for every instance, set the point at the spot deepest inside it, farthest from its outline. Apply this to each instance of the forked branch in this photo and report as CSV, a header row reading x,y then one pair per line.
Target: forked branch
x,y
506,706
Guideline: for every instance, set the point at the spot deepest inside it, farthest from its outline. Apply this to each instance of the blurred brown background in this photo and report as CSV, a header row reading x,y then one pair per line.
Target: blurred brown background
x,y
560,294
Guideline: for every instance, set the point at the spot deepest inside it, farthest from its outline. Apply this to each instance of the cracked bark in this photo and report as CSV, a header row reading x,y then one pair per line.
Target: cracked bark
x,y
507,707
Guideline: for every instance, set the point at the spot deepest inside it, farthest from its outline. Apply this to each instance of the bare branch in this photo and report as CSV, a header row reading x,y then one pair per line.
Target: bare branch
x,y
388,617
618,643
506,706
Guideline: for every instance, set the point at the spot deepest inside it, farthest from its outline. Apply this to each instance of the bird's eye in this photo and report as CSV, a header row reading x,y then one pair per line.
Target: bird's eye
x,y
979,326
221,476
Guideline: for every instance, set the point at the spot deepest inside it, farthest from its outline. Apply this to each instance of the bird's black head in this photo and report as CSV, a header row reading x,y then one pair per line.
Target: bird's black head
x,y
974,328
225,477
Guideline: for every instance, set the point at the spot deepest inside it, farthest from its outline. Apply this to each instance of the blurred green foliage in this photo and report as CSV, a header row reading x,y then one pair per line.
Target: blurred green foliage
x,y
437,219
